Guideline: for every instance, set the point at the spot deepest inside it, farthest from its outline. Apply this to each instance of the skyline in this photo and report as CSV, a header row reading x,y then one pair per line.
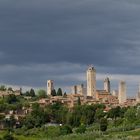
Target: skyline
x,y
49,39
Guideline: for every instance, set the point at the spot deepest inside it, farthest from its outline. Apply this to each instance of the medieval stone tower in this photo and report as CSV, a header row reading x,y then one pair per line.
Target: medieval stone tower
x,y
138,94
122,92
107,85
91,82
50,86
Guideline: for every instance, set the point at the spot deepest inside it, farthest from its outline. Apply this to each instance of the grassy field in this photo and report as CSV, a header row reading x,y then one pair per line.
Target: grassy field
x,y
127,135
88,135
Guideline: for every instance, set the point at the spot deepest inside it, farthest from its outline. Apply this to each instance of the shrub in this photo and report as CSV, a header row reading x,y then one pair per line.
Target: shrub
x,y
103,124
53,131
66,129
81,129
8,136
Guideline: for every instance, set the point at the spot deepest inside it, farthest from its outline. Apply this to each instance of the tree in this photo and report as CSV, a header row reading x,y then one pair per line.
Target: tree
x,y
10,89
36,118
83,114
29,121
65,94
88,112
32,93
59,92
99,106
53,93
10,99
27,93
57,112
42,93
3,107
138,112
103,124
130,115
114,112
60,114
2,88
79,101
99,114
10,122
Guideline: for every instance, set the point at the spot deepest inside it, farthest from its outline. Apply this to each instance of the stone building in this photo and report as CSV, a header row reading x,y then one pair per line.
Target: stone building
x,y
50,87
78,89
91,82
8,92
138,95
107,85
115,93
122,92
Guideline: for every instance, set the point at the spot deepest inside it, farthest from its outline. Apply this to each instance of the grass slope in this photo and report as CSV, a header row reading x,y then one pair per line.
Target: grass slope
x,y
127,135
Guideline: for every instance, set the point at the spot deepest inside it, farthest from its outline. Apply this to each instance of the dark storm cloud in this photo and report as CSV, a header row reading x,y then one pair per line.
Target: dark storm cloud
x,y
81,31
105,33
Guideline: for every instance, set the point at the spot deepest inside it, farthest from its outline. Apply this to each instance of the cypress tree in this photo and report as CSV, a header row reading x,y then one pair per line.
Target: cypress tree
x,y
59,92
53,93
32,93
79,101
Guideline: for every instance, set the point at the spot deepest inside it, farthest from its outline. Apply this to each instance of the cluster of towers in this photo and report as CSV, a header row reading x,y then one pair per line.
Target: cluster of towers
x,y
91,82
91,86
90,90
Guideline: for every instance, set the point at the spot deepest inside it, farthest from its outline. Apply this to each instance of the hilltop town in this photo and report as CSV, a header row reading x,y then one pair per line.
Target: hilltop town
x,y
79,93
91,95
83,107
87,95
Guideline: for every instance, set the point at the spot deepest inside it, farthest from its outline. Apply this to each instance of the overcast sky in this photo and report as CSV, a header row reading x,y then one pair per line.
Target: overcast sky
x,y
58,39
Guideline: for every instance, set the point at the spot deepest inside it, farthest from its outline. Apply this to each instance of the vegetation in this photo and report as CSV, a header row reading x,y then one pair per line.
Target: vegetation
x,y
53,93
56,121
103,124
59,92
42,93
2,88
